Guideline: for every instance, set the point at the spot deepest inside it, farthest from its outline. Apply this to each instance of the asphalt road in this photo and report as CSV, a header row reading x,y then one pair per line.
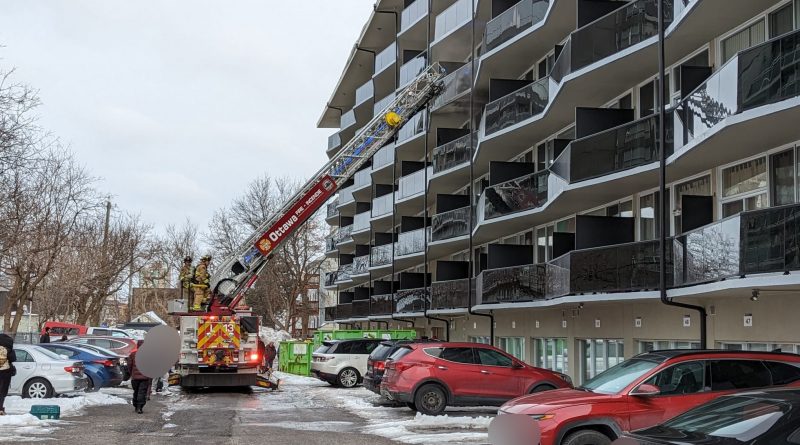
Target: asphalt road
x,y
212,417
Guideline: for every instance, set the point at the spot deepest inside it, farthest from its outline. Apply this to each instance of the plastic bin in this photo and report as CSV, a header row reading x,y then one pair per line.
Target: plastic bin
x,y
294,357
46,412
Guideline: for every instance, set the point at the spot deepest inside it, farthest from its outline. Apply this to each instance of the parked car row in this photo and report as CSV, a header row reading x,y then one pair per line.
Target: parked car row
x,y
712,396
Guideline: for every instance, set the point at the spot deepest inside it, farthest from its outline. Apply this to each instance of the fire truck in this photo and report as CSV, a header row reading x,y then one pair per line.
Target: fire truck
x,y
221,346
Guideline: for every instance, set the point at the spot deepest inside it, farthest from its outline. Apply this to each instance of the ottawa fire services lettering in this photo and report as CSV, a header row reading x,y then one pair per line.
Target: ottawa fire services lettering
x,y
274,236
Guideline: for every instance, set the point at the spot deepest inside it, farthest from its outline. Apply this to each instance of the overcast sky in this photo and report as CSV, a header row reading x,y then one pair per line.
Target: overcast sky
x,y
178,104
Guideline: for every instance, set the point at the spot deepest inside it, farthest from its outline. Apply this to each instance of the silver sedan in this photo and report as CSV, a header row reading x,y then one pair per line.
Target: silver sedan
x,y
43,374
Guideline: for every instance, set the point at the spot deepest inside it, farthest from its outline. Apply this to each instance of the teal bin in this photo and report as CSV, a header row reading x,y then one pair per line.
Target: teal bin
x,y
294,357
46,412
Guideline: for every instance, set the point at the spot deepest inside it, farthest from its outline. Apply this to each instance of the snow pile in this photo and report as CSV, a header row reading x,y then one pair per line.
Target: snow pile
x,y
297,380
271,335
70,406
21,420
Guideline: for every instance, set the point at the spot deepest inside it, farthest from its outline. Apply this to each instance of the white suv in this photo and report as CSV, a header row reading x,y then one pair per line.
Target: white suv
x,y
342,362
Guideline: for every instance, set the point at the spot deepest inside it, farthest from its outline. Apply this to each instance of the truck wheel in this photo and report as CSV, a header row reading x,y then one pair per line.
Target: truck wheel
x,y
430,399
587,437
348,378
37,388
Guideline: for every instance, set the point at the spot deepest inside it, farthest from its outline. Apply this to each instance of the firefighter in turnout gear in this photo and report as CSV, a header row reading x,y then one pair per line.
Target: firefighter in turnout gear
x,y
185,277
200,283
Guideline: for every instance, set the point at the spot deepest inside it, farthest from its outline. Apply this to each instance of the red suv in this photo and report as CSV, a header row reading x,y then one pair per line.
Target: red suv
x,y
430,376
648,389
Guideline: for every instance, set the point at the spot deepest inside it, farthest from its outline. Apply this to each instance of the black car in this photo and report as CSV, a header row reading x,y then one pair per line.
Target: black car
x,y
377,361
770,416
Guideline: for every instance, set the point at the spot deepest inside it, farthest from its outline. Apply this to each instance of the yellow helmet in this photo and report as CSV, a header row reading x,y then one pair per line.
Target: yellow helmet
x,y
392,119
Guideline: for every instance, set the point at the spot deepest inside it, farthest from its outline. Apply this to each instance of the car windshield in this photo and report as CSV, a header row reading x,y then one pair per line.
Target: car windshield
x,y
381,351
50,354
613,380
742,418
400,353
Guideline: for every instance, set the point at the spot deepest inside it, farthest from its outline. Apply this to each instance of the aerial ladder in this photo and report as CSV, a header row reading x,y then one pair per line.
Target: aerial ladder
x,y
220,346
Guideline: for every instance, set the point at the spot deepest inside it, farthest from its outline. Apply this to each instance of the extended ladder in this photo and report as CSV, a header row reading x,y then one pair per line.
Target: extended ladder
x,y
238,273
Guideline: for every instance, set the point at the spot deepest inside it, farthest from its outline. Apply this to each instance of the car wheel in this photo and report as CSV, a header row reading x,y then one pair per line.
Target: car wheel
x,y
37,389
430,400
91,386
348,378
586,437
541,388
411,406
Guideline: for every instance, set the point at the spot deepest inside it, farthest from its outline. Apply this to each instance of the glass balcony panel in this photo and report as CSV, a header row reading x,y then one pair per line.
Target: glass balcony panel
x,y
365,92
557,272
332,208
451,18
412,184
334,141
360,308
770,240
518,106
346,195
330,313
710,253
454,85
382,205
385,58
330,278
563,63
411,69
410,242
450,224
513,21
343,234
344,273
344,311
412,13
411,300
381,255
680,6
527,192
360,265
348,119
383,157
383,103
513,284
361,221
381,304
362,178
414,126
770,72
453,294
615,150
709,104
454,153
330,243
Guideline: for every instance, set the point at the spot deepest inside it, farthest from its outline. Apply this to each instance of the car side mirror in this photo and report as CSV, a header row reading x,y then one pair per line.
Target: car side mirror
x,y
646,390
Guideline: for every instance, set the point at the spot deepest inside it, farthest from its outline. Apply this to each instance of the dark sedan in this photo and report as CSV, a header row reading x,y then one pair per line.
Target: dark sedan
x,y
769,416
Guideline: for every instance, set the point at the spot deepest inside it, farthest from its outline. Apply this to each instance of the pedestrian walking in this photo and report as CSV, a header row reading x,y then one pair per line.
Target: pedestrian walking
x,y
270,354
139,382
45,338
7,369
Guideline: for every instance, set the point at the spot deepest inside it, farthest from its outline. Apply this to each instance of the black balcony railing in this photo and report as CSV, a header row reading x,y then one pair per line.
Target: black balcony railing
x,y
330,313
361,308
453,153
518,106
512,22
527,192
411,300
621,148
632,24
380,255
453,294
381,304
454,85
758,76
330,278
513,284
344,311
450,224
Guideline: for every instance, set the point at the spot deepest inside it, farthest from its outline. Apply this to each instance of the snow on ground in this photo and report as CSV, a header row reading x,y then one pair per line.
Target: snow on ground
x,y
19,425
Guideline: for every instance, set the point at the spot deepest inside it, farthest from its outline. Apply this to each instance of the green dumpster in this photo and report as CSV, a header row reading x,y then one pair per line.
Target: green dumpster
x,y
393,334
294,357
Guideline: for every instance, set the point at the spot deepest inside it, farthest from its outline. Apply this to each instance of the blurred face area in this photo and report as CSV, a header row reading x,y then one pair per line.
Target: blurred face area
x,y
514,429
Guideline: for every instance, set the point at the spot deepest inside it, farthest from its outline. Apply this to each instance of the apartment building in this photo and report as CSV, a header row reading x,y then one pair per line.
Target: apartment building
x,y
520,206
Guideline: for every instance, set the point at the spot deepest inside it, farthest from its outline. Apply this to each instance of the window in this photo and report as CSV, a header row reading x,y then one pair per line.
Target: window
x,y
490,357
23,356
782,177
728,375
660,345
696,187
782,347
551,353
781,21
599,355
783,373
458,355
700,59
744,186
683,378
746,38
362,347
118,334
513,345
648,215
482,339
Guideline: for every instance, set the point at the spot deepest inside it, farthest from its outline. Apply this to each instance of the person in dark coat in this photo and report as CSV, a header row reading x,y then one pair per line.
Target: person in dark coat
x,y
7,369
45,338
139,382
270,354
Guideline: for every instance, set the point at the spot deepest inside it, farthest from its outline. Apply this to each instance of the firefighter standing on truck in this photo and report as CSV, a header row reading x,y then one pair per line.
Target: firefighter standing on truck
x,y
185,277
200,283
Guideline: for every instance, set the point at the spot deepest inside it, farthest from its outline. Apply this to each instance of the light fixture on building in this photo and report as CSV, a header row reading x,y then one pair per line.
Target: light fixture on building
x,y
754,296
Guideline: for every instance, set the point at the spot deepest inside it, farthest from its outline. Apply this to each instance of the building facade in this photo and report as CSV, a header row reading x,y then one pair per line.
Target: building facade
x,y
520,207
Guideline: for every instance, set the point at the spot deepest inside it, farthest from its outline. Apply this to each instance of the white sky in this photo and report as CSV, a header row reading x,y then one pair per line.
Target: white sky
x,y
178,104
